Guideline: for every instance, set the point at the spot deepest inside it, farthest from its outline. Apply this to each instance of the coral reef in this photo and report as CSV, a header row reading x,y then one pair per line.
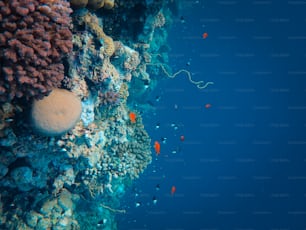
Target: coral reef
x,y
57,113
35,36
75,180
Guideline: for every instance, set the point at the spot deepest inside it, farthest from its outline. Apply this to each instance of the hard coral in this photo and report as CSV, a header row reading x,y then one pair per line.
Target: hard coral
x,y
109,98
92,22
79,3
109,4
93,4
35,36
56,113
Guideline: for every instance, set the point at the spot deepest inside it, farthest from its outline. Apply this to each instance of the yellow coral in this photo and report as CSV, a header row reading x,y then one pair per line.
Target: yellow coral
x,y
93,23
78,3
124,91
109,4
93,4
109,45
96,4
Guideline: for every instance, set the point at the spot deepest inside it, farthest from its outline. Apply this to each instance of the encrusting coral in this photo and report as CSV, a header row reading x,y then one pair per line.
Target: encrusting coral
x,y
34,38
92,22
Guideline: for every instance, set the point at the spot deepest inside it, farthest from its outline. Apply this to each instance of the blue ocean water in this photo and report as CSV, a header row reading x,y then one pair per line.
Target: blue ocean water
x,y
242,164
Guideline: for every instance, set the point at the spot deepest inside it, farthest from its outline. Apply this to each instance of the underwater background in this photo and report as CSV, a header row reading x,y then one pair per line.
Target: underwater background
x,y
166,114
242,164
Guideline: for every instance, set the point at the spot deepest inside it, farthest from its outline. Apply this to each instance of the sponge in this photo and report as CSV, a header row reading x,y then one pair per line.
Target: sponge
x,y
57,113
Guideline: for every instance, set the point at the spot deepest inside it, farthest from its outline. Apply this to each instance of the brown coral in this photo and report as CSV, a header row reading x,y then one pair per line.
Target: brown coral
x,y
93,23
109,4
35,36
93,4
79,3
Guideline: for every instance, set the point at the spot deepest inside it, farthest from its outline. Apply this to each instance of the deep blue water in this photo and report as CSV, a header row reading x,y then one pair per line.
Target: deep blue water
x,y
243,162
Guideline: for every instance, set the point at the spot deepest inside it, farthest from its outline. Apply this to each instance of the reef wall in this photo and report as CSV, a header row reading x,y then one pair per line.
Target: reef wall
x,y
106,53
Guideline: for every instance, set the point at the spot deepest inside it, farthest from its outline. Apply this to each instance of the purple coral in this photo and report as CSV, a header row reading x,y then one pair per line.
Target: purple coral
x,y
34,37
109,98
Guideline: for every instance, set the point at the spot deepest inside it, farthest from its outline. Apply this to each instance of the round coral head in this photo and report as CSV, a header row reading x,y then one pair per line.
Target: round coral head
x,y
95,4
109,4
56,113
78,3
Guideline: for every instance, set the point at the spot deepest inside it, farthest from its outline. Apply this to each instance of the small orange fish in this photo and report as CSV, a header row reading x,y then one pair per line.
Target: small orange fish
x,y
173,190
204,35
132,117
207,106
182,138
157,147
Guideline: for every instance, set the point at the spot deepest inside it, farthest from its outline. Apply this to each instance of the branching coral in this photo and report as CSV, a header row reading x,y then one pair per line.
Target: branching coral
x,y
35,36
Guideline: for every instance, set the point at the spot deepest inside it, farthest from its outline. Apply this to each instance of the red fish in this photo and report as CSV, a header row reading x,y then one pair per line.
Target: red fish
x,y
173,190
157,147
182,138
204,35
207,106
132,117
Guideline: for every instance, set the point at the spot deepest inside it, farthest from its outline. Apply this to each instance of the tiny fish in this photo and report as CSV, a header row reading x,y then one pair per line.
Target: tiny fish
x,y
157,147
207,106
205,35
154,200
173,190
137,204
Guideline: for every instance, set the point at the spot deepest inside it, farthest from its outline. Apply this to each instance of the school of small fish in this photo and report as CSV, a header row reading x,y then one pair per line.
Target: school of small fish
x,y
157,144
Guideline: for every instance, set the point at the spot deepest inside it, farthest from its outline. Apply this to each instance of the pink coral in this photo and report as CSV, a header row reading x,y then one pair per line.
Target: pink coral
x,y
35,36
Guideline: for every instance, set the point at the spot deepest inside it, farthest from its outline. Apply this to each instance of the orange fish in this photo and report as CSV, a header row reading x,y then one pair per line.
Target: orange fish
x,y
157,147
204,35
132,117
207,106
173,190
182,138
